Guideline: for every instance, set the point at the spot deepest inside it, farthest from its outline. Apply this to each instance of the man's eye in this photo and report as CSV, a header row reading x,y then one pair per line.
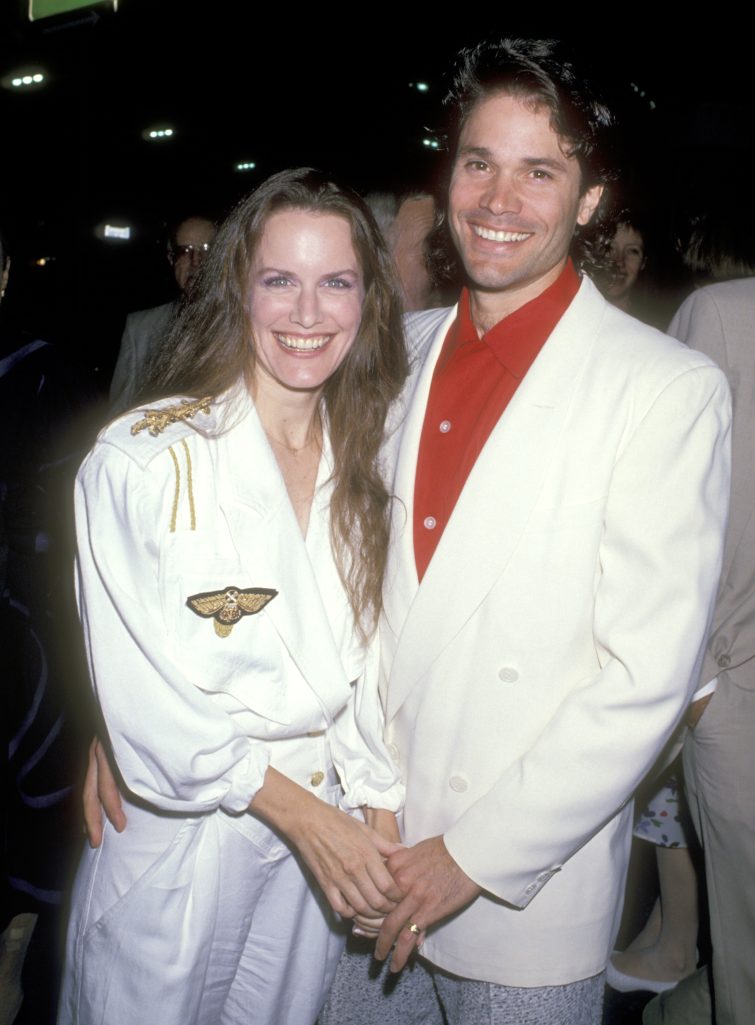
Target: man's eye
x,y
477,165
540,175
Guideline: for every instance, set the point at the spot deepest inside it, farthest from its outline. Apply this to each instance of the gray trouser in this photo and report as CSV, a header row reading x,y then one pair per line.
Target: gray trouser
x,y
719,770
364,993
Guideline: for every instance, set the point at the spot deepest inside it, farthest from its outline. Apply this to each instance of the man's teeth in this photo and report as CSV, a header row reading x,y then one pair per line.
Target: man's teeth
x,y
301,344
500,236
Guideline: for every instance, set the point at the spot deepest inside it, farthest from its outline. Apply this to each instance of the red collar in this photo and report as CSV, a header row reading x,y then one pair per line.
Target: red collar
x,y
516,340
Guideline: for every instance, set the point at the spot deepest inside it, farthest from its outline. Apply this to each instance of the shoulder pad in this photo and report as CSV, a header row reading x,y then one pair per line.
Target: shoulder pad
x,y
145,432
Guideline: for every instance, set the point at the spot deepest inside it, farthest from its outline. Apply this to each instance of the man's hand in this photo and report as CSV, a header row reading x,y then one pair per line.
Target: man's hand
x,y
435,887
100,792
384,823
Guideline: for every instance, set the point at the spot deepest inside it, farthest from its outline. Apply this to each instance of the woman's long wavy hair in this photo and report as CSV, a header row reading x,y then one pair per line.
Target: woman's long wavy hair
x,y
211,347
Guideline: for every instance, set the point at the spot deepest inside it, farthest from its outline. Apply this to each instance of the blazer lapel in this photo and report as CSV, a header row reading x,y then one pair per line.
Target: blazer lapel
x,y
497,500
401,581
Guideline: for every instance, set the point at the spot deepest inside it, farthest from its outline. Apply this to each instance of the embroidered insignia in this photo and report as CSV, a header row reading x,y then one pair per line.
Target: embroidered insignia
x,y
227,607
156,420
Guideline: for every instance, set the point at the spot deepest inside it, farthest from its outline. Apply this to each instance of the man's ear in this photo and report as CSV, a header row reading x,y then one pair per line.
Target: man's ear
x,y
4,277
588,204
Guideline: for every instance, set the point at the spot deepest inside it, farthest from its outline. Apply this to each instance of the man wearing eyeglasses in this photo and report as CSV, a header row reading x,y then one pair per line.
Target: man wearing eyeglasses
x,y
188,245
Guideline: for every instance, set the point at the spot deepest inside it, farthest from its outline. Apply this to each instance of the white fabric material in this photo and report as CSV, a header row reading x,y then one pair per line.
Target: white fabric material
x,y
196,922
192,717
718,762
706,689
534,675
197,908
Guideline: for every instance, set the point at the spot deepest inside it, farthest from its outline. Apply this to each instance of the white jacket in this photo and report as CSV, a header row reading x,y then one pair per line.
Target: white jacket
x,y
194,717
532,677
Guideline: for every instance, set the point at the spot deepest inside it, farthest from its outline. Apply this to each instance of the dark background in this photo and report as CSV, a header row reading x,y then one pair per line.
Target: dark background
x,y
326,86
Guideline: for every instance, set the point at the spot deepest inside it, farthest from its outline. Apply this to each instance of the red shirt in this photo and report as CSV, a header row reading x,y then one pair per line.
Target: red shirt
x,y
473,383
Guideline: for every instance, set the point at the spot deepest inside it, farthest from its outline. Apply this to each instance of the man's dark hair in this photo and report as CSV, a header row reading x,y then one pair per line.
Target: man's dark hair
x,y
540,73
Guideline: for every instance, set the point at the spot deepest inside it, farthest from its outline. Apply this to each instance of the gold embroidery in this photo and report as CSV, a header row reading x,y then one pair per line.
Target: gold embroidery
x,y
156,420
177,492
189,486
228,606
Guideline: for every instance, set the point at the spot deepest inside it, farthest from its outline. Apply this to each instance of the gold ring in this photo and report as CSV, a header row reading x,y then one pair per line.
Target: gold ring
x,y
413,928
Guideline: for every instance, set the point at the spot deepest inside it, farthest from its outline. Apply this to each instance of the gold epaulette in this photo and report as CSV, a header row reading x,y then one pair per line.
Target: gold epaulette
x,y
156,420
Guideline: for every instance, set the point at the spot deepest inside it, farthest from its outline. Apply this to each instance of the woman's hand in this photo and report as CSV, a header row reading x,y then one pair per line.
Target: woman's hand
x,y
100,792
345,856
383,822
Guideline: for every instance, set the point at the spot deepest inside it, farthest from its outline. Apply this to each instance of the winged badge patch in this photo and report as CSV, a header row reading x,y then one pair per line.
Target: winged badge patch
x,y
227,607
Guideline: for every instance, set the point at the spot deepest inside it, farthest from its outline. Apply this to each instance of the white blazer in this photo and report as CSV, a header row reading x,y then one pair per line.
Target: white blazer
x,y
532,677
194,717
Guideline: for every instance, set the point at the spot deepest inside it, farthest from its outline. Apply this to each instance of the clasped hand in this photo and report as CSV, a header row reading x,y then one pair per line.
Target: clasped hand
x,y
346,856
348,859
434,887
362,869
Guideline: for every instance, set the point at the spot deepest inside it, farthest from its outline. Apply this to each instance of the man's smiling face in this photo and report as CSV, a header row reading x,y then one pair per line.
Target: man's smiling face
x,y
515,199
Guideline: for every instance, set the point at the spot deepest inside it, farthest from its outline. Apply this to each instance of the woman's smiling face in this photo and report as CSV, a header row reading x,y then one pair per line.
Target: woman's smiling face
x,y
305,299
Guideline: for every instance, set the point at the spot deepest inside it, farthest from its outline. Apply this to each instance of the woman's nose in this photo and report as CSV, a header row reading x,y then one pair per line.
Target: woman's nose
x,y
306,310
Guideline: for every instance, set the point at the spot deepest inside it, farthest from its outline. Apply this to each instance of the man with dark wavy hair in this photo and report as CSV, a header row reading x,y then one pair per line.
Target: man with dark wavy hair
x,y
561,484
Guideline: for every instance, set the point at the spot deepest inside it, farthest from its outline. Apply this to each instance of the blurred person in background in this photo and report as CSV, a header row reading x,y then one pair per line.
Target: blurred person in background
x,y
627,260
146,330
626,264
406,221
719,767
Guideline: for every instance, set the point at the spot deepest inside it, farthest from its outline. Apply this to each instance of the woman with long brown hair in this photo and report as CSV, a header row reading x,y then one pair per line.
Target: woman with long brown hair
x,y
231,554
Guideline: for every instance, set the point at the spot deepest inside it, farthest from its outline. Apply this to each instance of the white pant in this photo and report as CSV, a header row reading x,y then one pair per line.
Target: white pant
x,y
196,921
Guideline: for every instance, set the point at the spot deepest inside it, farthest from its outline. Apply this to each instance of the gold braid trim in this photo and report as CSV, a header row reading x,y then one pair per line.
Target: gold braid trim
x,y
189,485
177,492
189,488
156,420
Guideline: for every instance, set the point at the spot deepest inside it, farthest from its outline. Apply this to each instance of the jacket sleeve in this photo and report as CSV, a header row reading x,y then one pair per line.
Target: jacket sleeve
x,y
368,775
174,745
656,577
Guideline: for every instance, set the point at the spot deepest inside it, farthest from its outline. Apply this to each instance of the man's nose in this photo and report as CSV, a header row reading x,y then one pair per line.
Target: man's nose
x,y
501,196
